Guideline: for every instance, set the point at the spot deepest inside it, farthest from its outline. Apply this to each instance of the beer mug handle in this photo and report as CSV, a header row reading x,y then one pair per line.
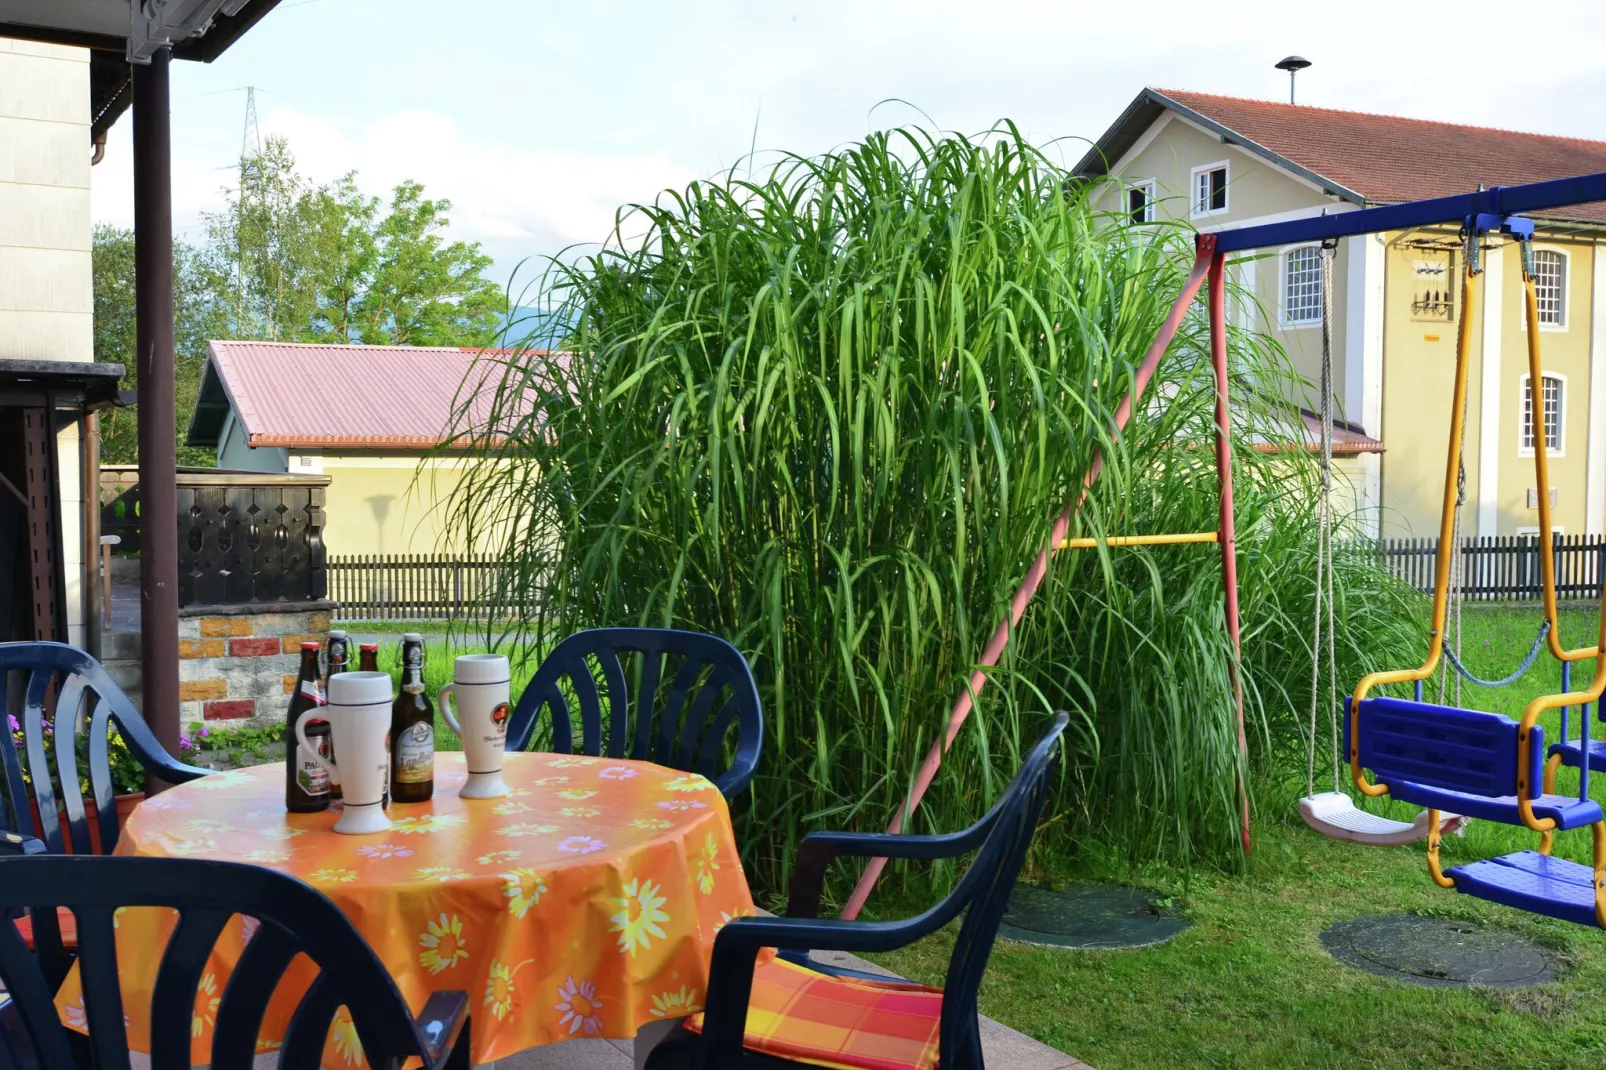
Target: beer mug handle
x,y
443,703
312,752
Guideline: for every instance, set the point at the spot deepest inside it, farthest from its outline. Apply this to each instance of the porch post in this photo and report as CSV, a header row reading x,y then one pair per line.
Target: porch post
x,y
158,447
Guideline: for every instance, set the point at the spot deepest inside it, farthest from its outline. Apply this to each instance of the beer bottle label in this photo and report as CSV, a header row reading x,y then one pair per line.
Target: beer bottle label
x,y
415,754
313,778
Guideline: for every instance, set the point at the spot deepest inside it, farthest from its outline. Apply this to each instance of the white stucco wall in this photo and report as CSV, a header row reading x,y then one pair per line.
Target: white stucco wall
x,y
46,285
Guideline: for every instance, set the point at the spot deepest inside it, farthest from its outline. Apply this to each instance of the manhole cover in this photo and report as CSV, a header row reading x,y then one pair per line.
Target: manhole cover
x,y
1089,916
1438,952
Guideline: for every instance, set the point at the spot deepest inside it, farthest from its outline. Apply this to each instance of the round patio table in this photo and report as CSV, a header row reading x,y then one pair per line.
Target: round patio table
x,y
583,905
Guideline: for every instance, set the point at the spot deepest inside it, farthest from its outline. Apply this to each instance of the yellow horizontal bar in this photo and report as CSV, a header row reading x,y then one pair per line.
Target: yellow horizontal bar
x,y
1140,540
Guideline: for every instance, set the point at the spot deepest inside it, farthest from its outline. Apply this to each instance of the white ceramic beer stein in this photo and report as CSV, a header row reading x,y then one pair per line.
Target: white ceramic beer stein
x,y
480,685
359,719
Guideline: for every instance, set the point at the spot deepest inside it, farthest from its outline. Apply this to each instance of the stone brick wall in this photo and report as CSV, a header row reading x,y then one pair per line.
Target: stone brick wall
x,y
241,667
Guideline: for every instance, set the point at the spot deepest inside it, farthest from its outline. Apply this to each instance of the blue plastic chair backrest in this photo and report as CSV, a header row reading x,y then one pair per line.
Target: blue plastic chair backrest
x,y
1443,747
665,696
66,688
208,896
984,892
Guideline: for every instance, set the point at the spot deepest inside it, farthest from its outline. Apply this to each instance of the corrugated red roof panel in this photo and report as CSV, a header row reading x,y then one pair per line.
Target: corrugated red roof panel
x,y
1388,158
347,396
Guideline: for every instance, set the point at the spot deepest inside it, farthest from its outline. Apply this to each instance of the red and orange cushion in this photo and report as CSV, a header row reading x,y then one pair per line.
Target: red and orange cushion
x,y
846,1023
64,918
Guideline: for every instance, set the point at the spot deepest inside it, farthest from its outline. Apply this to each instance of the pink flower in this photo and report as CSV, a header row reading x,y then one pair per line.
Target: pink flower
x,y
618,772
683,804
580,1006
580,845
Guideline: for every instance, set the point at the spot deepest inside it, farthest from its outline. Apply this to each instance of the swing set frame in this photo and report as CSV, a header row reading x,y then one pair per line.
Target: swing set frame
x,y
1483,211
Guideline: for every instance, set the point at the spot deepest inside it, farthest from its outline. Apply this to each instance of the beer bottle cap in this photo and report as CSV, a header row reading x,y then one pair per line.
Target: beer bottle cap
x,y
412,637
313,646
336,633
370,646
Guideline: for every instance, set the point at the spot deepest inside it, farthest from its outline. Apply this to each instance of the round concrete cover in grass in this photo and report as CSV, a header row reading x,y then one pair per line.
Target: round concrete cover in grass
x,y
1087,916
1438,952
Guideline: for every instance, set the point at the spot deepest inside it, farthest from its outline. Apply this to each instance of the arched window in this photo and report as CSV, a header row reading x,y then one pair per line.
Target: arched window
x,y
1550,286
1553,394
1302,285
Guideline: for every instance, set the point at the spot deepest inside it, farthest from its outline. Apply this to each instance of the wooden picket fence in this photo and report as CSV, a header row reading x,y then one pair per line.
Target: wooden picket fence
x,y
1504,566
410,586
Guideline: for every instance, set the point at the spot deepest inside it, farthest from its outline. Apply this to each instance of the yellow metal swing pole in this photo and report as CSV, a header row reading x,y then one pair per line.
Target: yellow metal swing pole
x,y
1139,540
1536,394
1441,578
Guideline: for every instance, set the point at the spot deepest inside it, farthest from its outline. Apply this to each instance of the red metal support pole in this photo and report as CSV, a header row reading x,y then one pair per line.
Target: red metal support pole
x,y
1227,537
1039,569
158,441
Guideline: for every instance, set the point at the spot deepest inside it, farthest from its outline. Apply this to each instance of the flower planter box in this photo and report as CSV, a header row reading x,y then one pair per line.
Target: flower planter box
x,y
125,806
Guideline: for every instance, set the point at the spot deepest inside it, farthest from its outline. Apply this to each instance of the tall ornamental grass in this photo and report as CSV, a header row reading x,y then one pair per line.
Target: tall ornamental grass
x,y
829,412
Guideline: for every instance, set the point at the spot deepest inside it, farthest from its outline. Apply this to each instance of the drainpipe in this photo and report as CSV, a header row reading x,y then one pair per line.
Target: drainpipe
x,y
158,445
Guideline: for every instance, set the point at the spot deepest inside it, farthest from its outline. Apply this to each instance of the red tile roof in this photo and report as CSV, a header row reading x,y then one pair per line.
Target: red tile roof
x,y
345,396
1386,158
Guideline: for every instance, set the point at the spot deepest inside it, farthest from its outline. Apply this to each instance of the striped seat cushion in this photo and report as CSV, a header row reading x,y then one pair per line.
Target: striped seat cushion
x,y
64,918
843,1022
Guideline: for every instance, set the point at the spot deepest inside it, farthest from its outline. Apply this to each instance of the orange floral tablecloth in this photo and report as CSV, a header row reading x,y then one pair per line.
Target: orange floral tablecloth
x,y
584,904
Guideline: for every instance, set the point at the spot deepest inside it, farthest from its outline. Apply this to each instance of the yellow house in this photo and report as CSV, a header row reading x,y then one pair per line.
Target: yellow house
x,y
1221,162
365,416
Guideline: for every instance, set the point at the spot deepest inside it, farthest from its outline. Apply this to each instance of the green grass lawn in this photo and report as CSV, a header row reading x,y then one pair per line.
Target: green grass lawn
x,y
1249,985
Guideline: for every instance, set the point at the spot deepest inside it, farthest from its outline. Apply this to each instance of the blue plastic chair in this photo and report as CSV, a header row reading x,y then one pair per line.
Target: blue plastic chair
x,y
687,728
1000,839
1465,761
85,701
295,919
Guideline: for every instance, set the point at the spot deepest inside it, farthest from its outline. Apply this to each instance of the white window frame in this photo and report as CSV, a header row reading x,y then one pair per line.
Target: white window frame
x,y
1194,211
1566,285
1149,188
1282,288
1531,531
1561,416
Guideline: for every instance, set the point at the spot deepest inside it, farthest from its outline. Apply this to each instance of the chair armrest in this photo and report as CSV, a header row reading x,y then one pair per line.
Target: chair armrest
x,y
819,849
440,1023
12,844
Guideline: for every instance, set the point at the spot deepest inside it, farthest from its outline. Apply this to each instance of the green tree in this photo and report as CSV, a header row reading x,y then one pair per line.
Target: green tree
x,y
425,291
196,320
288,260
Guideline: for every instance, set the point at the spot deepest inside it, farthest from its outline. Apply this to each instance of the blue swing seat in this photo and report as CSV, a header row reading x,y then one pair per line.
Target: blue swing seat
x,y
1466,761
1533,882
1572,754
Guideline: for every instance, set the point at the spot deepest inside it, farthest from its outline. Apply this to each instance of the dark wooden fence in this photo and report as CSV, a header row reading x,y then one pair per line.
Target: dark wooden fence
x,y
244,538
411,587
1504,566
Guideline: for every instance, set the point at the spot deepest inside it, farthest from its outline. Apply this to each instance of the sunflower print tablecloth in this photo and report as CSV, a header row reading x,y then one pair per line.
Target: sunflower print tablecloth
x,y
583,905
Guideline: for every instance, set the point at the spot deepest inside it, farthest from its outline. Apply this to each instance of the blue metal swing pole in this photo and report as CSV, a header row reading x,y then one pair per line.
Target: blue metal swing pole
x,y
1485,209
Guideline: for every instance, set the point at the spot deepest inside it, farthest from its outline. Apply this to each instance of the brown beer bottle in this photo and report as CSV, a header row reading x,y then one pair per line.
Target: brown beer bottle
x,y
336,661
368,661
338,658
306,783
412,730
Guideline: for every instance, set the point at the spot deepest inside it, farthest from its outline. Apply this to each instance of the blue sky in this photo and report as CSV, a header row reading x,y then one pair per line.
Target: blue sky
x,y
538,119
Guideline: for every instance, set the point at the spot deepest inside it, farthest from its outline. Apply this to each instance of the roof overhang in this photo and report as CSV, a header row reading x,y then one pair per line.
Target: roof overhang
x,y
212,408
194,29
1147,108
59,384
